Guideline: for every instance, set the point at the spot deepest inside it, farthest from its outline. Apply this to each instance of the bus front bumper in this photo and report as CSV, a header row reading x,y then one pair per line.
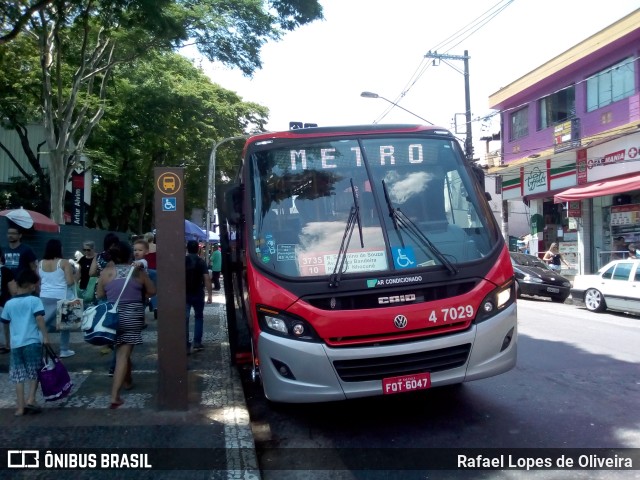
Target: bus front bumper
x,y
303,372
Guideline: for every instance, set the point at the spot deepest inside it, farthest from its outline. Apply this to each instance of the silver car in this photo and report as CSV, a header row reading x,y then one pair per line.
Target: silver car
x,y
616,286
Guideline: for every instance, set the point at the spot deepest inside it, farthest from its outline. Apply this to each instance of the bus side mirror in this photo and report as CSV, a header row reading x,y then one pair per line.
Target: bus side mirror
x,y
231,206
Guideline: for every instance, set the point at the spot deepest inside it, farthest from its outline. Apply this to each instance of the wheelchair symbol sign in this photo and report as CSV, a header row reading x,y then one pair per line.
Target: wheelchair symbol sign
x,y
404,257
169,204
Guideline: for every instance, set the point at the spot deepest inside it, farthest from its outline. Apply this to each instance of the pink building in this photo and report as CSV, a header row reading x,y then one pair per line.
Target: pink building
x,y
570,134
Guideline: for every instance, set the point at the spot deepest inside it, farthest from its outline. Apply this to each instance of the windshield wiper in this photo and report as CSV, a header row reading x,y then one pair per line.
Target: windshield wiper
x,y
354,218
400,219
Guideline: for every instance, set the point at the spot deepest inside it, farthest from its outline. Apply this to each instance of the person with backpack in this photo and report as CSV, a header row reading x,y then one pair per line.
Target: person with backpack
x,y
197,278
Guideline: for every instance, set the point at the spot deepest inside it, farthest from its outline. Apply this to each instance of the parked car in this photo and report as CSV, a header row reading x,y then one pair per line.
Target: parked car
x,y
616,286
534,277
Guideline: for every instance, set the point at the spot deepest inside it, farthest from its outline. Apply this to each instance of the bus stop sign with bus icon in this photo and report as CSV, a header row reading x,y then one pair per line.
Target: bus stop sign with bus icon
x,y
169,183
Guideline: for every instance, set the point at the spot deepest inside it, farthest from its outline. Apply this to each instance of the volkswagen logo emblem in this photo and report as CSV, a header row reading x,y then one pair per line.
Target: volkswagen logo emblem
x,y
400,321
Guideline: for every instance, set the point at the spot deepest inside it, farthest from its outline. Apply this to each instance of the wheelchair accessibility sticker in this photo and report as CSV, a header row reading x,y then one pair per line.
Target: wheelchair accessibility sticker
x,y
169,204
403,257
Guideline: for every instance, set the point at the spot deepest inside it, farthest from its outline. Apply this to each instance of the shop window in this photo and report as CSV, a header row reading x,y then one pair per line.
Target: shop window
x,y
612,84
557,107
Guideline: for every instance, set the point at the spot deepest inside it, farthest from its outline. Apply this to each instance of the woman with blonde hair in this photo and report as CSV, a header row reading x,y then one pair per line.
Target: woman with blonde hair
x,y
553,257
150,238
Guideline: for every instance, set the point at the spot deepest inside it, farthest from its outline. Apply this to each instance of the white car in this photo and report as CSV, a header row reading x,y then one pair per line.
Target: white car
x,y
616,286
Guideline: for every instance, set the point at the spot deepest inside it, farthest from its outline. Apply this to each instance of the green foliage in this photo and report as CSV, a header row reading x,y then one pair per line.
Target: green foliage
x,y
20,192
163,112
20,82
57,72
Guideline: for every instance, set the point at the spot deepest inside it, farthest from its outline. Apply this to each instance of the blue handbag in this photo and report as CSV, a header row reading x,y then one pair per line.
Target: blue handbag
x,y
97,319
100,322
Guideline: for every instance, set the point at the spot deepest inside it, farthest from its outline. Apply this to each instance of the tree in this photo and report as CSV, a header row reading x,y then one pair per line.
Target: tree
x,y
164,111
20,107
80,42
15,15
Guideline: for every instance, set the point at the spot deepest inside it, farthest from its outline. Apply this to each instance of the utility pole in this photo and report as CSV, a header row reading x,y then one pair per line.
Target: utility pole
x,y
468,147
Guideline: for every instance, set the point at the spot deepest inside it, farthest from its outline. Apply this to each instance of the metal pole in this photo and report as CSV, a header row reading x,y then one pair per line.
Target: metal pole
x,y
211,188
445,56
467,95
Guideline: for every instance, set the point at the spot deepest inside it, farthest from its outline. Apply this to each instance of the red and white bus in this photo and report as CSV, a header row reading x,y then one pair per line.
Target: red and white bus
x,y
364,260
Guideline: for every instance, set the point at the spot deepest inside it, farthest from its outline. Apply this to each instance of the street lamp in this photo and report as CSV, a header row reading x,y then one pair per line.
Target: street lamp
x,y
375,95
211,190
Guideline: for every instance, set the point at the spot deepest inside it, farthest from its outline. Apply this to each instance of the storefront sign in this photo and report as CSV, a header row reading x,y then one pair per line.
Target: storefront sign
x,y
608,159
570,253
77,190
625,218
614,158
565,136
581,166
575,209
534,179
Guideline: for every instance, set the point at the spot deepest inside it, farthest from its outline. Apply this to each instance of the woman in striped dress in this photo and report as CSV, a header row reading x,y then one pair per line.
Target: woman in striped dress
x,y
131,311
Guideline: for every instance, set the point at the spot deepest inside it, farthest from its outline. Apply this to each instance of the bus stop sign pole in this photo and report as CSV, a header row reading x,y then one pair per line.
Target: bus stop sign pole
x,y
171,292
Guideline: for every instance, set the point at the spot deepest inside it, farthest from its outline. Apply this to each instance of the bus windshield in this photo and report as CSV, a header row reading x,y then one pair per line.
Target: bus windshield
x,y
410,198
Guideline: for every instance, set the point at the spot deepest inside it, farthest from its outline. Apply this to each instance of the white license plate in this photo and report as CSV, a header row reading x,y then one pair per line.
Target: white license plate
x,y
553,290
406,383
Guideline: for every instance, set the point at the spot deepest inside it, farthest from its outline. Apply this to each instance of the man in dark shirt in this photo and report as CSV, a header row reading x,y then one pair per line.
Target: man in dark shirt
x,y
197,278
19,255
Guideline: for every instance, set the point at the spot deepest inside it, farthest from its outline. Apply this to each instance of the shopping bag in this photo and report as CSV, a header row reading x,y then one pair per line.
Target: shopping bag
x,y
88,294
53,376
69,314
99,323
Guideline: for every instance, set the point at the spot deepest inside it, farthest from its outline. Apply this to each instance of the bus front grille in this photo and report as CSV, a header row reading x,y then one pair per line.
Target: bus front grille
x,y
377,368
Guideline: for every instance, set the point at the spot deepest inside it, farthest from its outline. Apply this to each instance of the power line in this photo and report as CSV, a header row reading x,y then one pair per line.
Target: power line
x,y
472,27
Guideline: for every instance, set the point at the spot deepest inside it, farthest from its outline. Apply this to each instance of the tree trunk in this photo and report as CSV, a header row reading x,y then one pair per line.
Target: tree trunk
x,y
57,169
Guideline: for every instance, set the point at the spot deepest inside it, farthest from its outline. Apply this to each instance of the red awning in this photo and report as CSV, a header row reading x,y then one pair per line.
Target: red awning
x,y
598,189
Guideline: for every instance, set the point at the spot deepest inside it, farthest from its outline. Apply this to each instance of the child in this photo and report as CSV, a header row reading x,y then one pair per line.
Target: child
x,y
23,317
140,250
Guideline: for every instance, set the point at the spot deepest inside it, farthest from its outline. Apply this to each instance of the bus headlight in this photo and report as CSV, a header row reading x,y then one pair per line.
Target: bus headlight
x,y
496,301
284,324
276,324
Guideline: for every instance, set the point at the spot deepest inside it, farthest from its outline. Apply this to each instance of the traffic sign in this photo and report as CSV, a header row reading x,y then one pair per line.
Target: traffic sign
x,y
169,204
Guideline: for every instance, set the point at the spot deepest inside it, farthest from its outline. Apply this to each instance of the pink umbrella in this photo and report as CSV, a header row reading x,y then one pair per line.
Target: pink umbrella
x,y
28,218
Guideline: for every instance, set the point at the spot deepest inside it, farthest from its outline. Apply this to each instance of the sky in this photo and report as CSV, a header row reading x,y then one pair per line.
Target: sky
x,y
317,73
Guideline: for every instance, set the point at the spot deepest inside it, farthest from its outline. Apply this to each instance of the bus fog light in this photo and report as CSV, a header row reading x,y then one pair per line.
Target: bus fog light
x,y
507,340
283,369
298,329
276,324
